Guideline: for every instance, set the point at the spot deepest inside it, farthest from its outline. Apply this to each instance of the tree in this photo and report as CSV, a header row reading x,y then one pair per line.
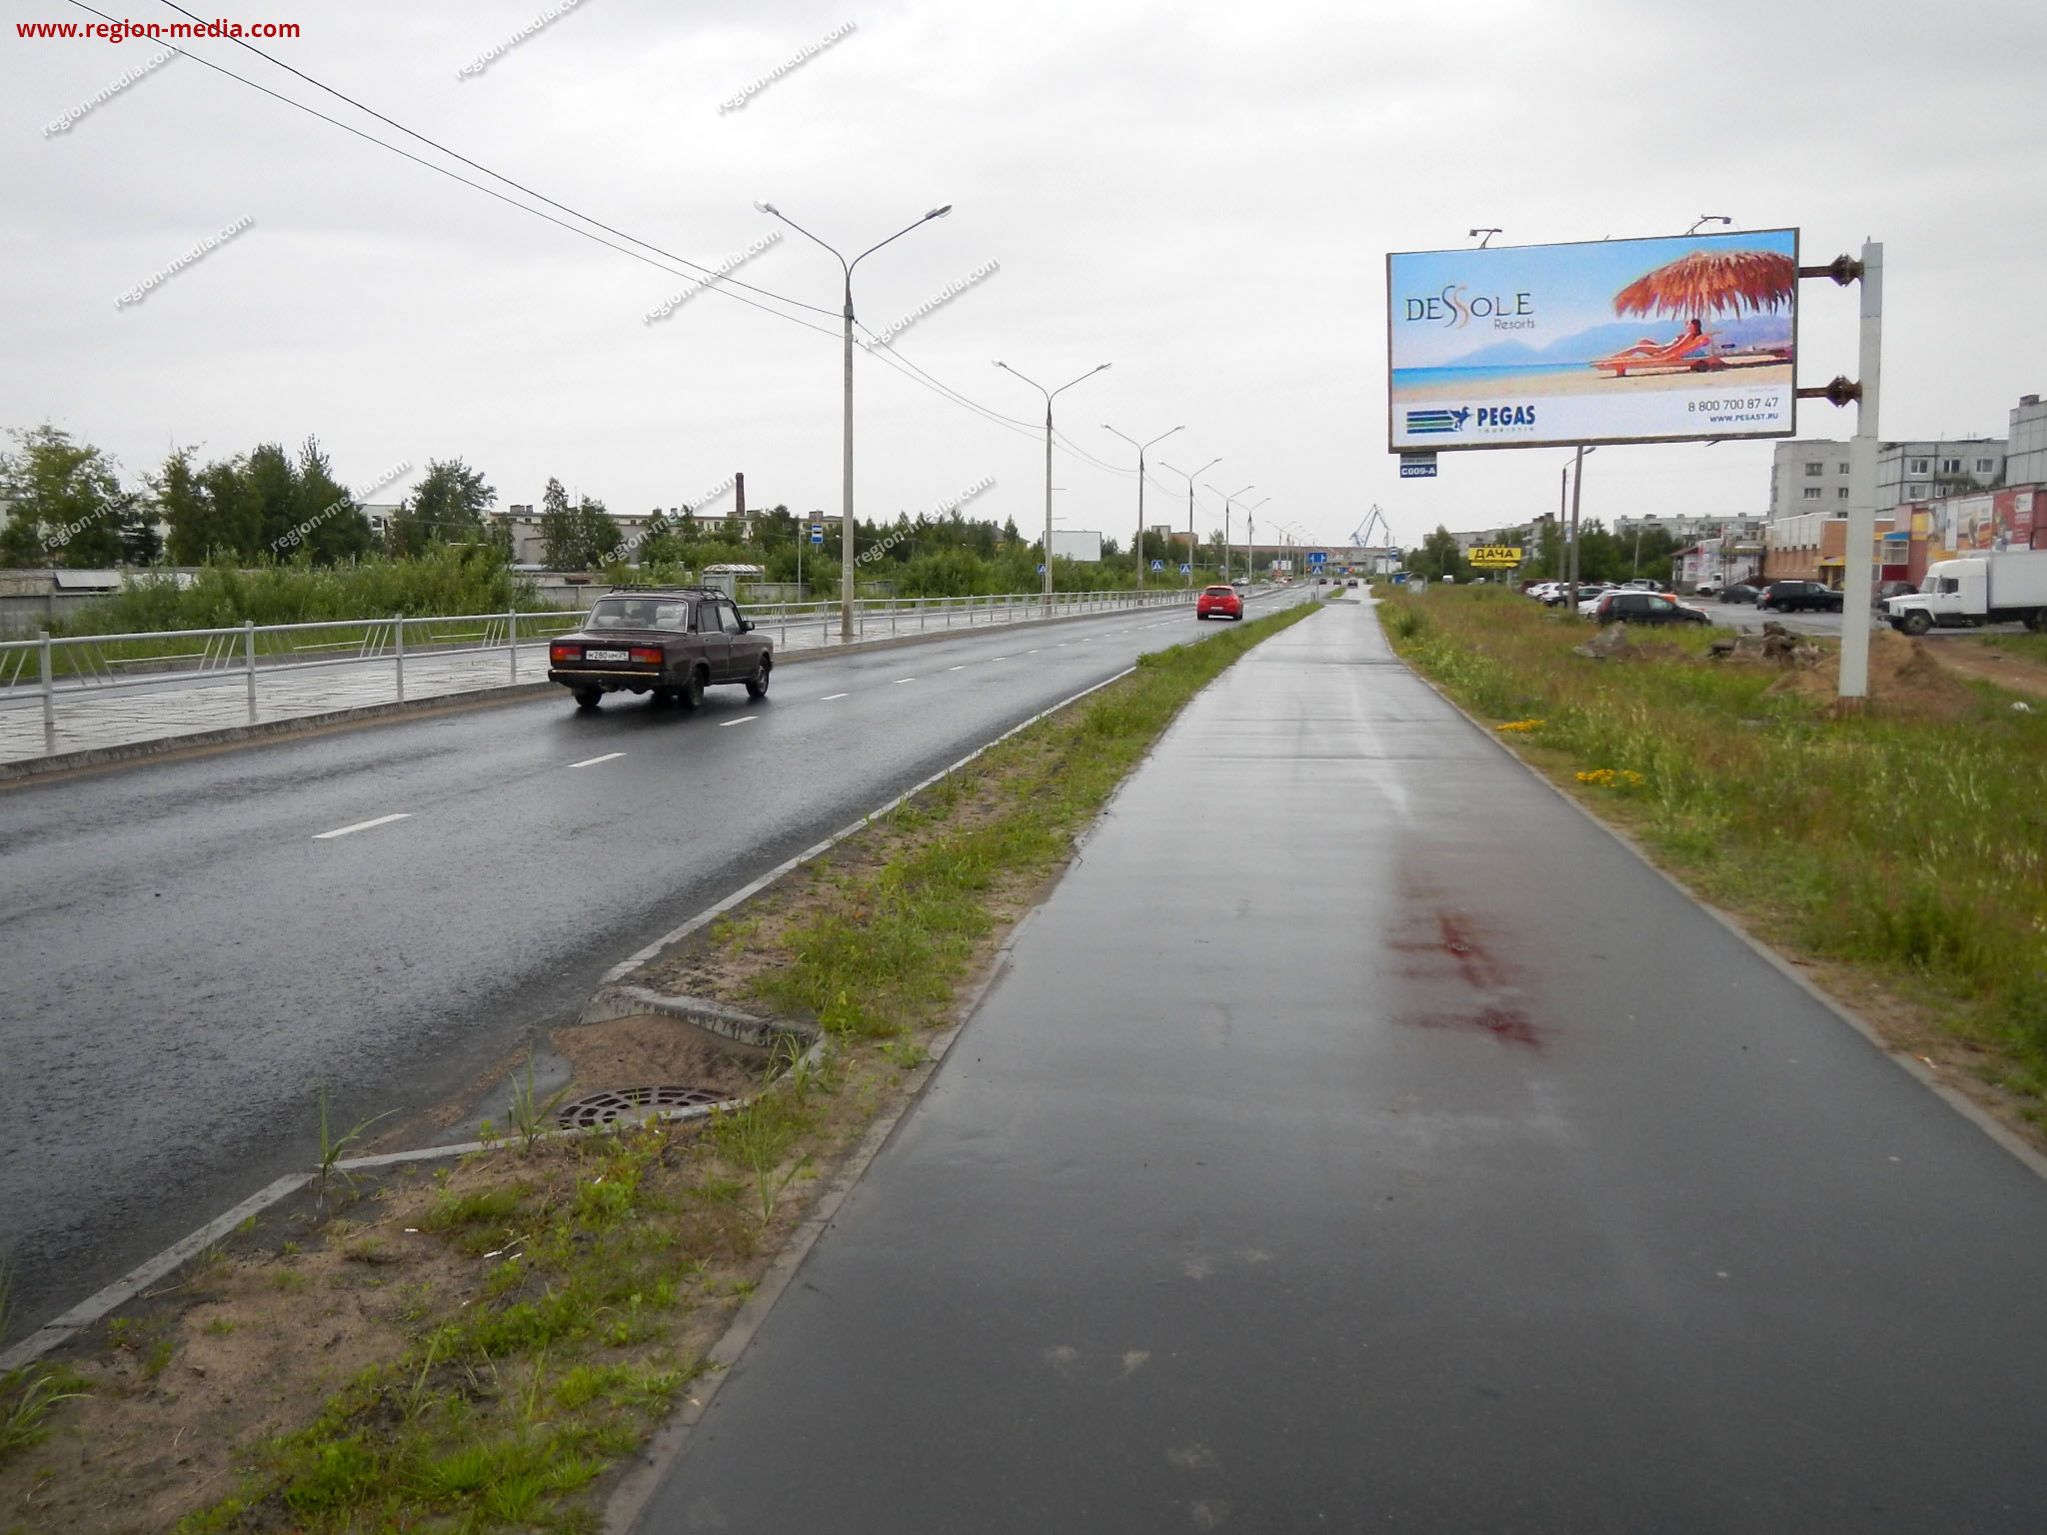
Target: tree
x,y
447,506
1439,558
335,527
560,546
68,504
597,531
273,490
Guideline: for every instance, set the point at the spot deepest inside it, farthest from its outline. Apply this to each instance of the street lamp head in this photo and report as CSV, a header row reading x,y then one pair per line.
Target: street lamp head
x,y
768,208
939,213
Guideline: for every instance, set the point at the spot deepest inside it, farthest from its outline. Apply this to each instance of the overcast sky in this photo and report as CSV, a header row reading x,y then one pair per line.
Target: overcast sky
x,y
1201,194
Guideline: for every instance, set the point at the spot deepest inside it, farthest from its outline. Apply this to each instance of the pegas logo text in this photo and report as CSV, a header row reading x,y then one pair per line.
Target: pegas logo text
x,y
1455,311
1506,415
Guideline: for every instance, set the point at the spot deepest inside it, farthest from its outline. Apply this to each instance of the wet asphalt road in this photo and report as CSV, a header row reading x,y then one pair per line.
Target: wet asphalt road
x,y
1360,1140
185,961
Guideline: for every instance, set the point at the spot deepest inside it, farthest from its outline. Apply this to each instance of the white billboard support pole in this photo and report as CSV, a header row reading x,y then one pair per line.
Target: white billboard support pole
x,y
1862,489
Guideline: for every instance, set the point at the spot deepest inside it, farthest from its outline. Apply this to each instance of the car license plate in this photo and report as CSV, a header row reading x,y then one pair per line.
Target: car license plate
x,y
607,655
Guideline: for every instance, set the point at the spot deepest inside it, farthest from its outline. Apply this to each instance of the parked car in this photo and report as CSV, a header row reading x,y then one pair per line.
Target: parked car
x,y
1741,591
1706,589
1586,590
668,641
1219,602
1628,606
1794,596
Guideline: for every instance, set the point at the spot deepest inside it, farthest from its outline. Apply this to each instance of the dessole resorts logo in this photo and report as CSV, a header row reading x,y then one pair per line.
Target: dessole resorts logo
x,y
1455,307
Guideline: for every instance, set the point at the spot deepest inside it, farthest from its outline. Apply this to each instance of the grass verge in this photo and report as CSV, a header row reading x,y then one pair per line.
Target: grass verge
x,y
474,1348
1904,845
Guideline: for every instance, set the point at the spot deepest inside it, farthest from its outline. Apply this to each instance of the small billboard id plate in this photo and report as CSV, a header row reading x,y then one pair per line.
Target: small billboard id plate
x,y
1684,338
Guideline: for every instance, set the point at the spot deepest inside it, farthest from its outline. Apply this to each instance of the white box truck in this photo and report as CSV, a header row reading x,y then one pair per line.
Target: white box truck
x,y
1977,589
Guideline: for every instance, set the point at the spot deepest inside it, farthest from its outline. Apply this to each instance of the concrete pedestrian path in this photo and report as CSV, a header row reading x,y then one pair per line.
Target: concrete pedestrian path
x,y
1361,1139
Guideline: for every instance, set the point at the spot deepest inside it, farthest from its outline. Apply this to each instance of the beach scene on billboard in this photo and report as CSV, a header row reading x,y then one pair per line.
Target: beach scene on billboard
x,y
1689,336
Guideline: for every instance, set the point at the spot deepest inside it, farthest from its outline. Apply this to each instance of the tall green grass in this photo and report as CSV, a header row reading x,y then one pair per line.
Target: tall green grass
x,y
1910,844
441,582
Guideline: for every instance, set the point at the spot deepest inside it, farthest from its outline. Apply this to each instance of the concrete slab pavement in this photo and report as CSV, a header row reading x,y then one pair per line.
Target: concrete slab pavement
x,y
1360,1138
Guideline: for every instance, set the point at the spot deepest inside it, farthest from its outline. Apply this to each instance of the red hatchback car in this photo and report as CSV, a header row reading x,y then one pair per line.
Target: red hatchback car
x,y
1219,602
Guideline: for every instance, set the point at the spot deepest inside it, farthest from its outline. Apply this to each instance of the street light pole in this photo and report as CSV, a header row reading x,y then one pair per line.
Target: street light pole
x,y
1226,524
1192,547
1140,446
846,489
1251,541
1050,395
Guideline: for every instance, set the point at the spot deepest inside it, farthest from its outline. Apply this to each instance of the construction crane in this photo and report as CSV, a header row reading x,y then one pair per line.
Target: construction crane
x,y
1361,535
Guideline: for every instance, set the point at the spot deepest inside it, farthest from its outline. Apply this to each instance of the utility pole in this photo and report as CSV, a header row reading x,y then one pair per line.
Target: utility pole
x,y
1050,395
846,515
1141,446
1193,549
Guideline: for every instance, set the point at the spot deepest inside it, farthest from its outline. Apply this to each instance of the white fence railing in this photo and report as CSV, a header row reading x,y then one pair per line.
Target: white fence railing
x,y
53,671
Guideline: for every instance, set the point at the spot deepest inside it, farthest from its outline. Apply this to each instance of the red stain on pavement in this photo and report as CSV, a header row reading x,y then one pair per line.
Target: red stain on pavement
x,y
1508,1025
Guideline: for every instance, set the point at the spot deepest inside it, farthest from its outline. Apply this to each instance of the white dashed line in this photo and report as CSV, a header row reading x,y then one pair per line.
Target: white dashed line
x,y
342,831
901,680
1002,658
593,761
960,668
744,719
1030,652
830,696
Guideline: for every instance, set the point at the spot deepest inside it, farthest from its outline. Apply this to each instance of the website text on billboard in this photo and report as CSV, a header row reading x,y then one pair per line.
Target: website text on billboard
x,y
1649,340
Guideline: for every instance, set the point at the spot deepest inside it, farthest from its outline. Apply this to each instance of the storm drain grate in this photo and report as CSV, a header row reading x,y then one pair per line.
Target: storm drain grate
x,y
618,1103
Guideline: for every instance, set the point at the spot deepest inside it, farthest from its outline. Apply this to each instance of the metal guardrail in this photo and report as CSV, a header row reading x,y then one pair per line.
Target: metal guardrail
x,y
52,670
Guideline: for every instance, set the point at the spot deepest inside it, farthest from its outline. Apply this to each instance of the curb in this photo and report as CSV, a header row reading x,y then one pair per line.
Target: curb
x,y
1927,1077
28,768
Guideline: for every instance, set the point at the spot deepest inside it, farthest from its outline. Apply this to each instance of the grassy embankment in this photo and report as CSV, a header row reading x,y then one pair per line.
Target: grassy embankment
x,y
1905,845
473,1348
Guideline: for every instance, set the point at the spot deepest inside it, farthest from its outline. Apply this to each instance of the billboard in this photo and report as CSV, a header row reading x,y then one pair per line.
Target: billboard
x,y
1611,341
1074,544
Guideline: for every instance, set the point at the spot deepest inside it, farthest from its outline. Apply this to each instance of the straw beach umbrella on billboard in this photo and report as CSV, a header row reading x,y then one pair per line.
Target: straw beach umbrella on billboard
x,y
1712,282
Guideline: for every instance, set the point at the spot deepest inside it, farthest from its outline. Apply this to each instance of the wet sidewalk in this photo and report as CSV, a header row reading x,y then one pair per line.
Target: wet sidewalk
x,y
1360,1139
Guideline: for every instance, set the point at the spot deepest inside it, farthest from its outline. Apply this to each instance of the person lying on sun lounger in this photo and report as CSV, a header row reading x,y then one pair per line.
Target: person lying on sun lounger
x,y
1648,349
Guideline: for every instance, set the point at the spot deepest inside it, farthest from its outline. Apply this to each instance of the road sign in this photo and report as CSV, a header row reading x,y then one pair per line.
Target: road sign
x,y
1317,557
817,532
1186,570
1041,570
1158,564
1417,466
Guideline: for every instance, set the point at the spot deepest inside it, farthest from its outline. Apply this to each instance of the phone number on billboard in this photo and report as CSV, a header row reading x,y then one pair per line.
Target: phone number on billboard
x,y
1738,402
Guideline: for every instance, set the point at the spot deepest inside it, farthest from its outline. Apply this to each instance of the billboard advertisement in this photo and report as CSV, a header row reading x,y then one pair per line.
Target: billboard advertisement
x,y
1077,544
1610,341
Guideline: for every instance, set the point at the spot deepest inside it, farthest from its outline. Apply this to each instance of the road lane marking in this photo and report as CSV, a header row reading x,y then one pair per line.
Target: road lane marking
x,y
1002,658
901,680
593,761
342,831
744,719
1030,652
830,696
960,668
